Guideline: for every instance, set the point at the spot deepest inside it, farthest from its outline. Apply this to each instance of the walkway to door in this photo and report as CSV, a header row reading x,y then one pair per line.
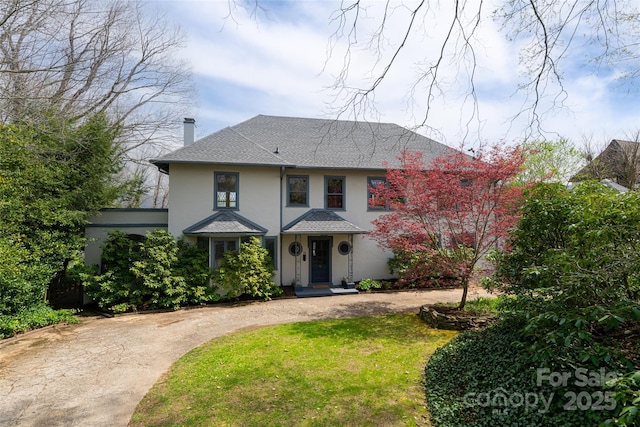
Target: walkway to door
x,y
96,372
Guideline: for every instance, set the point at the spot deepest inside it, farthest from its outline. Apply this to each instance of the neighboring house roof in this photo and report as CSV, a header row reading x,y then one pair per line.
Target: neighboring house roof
x,y
321,221
225,222
305,143
619,162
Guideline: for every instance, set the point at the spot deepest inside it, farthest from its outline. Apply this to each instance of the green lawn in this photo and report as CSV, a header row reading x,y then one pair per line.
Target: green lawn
x,y
347,372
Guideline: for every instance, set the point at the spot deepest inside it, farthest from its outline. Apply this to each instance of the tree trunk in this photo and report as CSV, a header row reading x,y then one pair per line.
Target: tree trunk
x,y
465,290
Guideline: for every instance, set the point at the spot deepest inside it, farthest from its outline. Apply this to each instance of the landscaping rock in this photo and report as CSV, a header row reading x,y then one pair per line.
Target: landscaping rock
x,y
440,317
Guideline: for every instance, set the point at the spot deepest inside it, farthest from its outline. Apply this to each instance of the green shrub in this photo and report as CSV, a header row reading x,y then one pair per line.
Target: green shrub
x,y
572,271
574,268
627,396
247,271
193,266
155,273
430,268
368,284
55,173
158,254
17,289
573,280
116,289
32,318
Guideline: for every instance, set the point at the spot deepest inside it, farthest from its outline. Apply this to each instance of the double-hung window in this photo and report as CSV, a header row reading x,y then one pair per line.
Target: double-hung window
x,y
216,247
226,190
297,190
271,245
374,201
219,247
335,192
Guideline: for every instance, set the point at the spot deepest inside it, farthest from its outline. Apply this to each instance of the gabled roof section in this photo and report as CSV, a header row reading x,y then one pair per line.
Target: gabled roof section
x,y
619,162
305,143
321,221
225,222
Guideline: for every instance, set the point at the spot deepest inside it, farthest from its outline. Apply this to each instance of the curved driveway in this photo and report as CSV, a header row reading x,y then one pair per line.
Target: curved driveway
x,y
95,373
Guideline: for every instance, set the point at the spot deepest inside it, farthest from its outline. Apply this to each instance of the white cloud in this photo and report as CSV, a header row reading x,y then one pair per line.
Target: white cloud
x,y
277,64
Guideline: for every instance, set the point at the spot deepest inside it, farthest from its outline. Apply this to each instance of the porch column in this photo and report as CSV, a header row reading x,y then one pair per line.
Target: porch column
x,y
298,262
350,258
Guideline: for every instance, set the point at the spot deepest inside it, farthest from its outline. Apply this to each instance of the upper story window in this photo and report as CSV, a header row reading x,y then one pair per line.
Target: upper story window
x,y
297,190
335,192
375,202
226,188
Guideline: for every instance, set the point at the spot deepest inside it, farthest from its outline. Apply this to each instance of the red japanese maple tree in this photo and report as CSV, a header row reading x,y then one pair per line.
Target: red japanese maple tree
x,y
453,210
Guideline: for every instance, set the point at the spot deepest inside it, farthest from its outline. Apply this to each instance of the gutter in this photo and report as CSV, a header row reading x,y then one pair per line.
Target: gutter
x,y
282,171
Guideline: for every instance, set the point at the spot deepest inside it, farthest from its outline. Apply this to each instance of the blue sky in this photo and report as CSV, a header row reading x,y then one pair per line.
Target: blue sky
x,y
281,62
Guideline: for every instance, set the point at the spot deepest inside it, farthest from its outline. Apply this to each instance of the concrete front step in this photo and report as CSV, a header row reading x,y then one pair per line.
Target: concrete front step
x,y
322,291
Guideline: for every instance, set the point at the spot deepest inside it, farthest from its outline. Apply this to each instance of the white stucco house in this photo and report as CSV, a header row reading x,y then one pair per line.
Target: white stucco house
x,y
301,185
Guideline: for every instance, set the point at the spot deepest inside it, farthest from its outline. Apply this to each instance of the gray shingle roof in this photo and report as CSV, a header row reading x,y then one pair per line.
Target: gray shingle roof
x,y
321,221
612,163
305,143
225,222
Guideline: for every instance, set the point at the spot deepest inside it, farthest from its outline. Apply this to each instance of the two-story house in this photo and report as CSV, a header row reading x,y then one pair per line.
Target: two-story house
x,y
301,185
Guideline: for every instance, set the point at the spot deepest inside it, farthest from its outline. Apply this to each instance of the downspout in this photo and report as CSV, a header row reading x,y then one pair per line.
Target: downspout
x,y
282,171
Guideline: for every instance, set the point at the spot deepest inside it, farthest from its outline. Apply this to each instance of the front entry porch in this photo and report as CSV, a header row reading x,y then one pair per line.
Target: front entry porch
x,y
316,260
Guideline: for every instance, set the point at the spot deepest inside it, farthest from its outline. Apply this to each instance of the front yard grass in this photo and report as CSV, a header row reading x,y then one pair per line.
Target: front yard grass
x,y
365,371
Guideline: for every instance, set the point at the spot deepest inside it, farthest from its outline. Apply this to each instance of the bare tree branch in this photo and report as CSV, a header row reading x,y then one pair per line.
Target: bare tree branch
x,y
79,57
602,34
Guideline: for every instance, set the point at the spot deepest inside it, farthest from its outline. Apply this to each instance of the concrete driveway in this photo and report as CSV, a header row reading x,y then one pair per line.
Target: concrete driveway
x,y
95,373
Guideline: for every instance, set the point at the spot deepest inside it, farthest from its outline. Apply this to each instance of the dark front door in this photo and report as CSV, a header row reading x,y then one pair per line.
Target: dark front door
x,y
320,248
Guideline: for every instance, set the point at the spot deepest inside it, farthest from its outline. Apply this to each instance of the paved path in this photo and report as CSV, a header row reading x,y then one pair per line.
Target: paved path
x,y
95,373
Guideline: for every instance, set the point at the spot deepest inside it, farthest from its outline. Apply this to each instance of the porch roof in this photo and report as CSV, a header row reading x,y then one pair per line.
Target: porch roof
x,y
321,221
225,222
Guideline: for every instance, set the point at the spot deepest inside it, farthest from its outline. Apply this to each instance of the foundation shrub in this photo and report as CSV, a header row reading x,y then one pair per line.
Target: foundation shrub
x,y
193,266
368,284
159,287
157,272
247,272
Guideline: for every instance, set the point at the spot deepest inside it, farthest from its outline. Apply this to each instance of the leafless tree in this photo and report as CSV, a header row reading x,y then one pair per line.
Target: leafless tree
x,y
161,192
594,169
629,168
544,33
78,57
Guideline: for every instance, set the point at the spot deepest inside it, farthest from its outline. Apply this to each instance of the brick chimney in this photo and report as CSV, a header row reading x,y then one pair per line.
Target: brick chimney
x,y
189,130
